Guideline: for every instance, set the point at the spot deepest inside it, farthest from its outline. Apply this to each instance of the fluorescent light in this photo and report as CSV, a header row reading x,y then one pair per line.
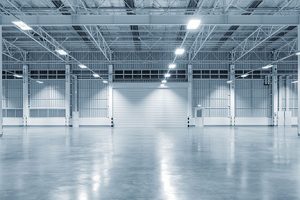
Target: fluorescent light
x,y
229,81
40,82
96,75
172,66
244,75
22,25
167,75
17,76
82,66
164,81
162,85
105,81
61,52
298,53
267,67
179,51
193,24
295,82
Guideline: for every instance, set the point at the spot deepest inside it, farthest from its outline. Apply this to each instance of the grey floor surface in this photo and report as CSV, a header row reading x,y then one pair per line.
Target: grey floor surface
x,y
170,164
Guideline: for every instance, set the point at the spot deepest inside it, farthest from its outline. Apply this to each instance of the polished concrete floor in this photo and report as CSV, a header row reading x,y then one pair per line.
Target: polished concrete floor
x,y
170,164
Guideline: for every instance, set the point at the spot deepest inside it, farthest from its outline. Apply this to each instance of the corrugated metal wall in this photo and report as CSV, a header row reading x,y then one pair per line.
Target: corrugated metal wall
x,y
213,95
293,98
47,99
253,98
93,98
12,101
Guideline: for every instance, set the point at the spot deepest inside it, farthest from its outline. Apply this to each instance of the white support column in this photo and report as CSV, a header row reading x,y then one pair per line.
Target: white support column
x,y
281,93
75,114
298,81
232,95
1,86
190,94
274,96
287,93
110,94
25,95
68,95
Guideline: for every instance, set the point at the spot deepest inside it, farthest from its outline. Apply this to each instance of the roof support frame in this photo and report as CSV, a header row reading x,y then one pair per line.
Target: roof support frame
x,y
110,20
99,41
254,40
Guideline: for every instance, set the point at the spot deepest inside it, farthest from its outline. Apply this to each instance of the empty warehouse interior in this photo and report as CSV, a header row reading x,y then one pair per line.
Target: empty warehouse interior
x,y
149,99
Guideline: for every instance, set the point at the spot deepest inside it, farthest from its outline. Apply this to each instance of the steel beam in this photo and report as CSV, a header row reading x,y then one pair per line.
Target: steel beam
x,y
111,20
254,40
99,41
12,51
200,40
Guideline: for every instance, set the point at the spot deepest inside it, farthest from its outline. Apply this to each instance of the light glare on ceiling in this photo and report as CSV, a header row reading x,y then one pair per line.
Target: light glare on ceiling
x,y
179,51
82,66
172,66
96,75
17,76
167,75
61,52
193,24
267,67
22,25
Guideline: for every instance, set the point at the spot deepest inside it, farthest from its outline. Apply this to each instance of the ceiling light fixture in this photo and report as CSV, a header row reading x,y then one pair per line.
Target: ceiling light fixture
x,y
105,81
61,52
17,76
40,82
267,67
82,66
167,75
22,25
230,81
172,66
96,75
193,24
244,75
179,51
295,82
298,53
164,81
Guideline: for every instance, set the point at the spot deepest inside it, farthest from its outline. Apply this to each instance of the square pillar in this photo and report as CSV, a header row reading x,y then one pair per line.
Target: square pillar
x,y
110,95
68,95
1,86
190,95
298,84
232,95
274,96
75,113
25,95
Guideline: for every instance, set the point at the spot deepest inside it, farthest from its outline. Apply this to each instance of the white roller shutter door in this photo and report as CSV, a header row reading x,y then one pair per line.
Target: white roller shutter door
x,y
150,107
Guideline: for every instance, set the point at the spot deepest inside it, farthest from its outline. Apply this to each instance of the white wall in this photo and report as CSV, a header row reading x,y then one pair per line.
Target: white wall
x,y
47,103
92,98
